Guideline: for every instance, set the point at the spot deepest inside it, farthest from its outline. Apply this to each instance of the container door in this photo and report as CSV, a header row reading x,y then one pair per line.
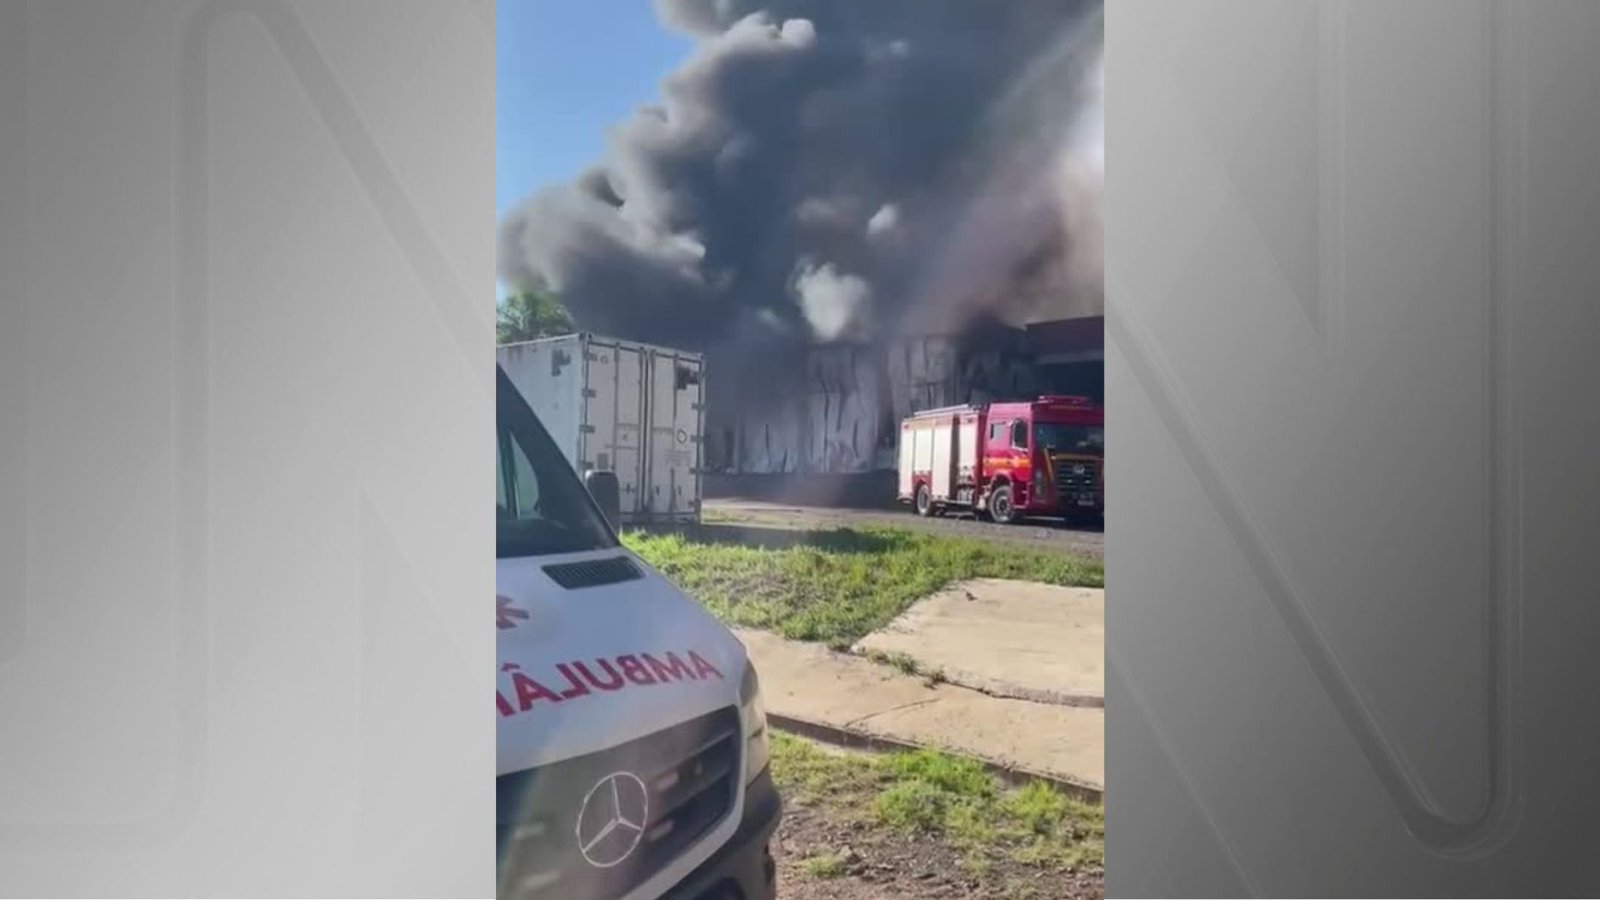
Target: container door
x,y
689,408
616,411
549,375
673,479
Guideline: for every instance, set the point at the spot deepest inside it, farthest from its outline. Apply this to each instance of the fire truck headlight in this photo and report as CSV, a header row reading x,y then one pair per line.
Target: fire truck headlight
x,y
757,751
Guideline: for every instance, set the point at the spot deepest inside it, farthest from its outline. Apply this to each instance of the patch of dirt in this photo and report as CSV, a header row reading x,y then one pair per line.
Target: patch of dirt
x,y
882,864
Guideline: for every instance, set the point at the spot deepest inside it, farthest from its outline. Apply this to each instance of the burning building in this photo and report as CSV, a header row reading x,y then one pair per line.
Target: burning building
x,y
855,210
839,411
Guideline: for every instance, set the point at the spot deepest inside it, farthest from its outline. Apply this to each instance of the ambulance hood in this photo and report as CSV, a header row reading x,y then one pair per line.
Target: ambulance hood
x,y
597,649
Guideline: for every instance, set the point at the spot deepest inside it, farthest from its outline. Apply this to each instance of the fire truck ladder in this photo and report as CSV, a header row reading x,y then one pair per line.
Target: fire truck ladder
x,y
946,410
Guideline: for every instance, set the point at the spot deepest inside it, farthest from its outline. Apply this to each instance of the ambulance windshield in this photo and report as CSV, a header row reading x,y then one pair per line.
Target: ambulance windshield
x,y
540,506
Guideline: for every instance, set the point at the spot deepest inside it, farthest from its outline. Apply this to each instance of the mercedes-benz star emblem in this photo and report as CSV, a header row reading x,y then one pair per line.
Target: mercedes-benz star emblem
x,y
611,821
1079,470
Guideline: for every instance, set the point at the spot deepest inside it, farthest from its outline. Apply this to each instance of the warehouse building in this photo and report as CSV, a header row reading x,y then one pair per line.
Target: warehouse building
x,y
839,411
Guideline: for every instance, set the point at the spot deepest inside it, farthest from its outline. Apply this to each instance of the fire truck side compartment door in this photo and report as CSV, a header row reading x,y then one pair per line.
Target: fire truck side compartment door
x,y
908,446
967,446
922,454
944,457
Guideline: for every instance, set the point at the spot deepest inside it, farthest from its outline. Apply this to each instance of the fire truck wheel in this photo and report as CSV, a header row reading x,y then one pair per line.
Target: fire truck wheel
x,y
924,501
1001,508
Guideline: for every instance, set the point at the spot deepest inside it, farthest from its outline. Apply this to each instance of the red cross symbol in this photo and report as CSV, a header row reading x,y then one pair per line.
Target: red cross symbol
x,y
505,612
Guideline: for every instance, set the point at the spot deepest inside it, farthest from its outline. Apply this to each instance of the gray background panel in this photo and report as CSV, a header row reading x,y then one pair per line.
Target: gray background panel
x,y
1351,315
246,273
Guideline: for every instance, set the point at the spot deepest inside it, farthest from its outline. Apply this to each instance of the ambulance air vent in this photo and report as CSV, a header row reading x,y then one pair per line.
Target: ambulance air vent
x,y
594,572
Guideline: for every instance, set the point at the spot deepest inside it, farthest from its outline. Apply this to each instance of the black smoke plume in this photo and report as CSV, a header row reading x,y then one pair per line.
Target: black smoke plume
x,y
822,170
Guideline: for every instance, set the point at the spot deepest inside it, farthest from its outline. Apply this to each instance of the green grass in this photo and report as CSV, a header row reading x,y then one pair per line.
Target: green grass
x,y
906,664
824,865
838,585
950,798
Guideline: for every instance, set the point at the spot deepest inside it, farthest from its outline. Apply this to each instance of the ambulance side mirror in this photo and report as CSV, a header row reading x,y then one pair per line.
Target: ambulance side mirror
x,y
607,494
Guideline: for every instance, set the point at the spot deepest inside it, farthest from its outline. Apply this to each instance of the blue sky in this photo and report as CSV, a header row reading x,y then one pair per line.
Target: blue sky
x,y
567,70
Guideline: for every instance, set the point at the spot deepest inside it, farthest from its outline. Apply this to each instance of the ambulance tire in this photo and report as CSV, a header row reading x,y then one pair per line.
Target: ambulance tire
x,y
1001,509
924,502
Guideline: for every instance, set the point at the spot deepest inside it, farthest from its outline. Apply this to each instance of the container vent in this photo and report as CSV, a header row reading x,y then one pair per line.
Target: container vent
x,y
594,572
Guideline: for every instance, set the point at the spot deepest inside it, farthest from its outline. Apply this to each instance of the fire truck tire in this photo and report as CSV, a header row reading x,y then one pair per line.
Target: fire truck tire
x,y
924,503
1001,509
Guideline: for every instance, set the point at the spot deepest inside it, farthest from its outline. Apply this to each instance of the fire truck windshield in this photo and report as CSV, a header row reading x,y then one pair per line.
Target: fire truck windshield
x,y
1058,438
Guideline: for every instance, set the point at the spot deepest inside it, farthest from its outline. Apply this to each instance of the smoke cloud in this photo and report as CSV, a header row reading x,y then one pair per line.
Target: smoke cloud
x,y
832,301
819,170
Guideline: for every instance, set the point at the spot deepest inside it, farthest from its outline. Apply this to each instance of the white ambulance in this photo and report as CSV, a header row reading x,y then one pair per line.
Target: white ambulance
x,y
632,745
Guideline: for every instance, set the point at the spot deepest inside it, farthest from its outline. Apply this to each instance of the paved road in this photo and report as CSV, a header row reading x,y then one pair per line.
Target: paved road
x,y
1042,533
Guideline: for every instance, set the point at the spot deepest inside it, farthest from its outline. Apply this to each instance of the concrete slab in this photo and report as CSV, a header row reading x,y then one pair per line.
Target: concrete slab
x,y
808,681
1007,638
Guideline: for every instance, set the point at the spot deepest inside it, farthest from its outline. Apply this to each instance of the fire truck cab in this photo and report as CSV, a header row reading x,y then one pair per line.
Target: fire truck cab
x,y
1044,457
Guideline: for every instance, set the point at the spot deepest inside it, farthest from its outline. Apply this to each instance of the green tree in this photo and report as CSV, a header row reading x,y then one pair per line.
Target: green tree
x,y
531,314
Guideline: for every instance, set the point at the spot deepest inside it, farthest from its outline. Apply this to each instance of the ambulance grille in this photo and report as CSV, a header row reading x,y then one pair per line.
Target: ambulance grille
x,y
594,572
691,778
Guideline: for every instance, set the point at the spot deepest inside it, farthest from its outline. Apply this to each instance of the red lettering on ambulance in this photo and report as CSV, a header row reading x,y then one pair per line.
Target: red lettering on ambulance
x,y
615,673
672,670
634,670
612,683
701,667
529,691
577,688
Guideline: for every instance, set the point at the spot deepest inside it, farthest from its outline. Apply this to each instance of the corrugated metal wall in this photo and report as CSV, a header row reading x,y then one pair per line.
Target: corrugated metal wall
x,y
840,413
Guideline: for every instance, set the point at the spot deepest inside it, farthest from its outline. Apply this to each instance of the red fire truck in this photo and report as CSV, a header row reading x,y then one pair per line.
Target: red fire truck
x,y
1040,458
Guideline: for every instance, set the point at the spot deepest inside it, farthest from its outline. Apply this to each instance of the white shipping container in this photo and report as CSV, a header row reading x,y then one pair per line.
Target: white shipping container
x,y
620,406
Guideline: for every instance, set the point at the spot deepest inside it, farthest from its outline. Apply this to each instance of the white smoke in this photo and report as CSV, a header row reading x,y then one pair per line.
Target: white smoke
x,y
1083,182
833,301
885,220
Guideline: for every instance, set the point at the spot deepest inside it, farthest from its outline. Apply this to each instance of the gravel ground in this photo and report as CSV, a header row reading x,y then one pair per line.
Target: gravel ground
x,y
879,864
1068,537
